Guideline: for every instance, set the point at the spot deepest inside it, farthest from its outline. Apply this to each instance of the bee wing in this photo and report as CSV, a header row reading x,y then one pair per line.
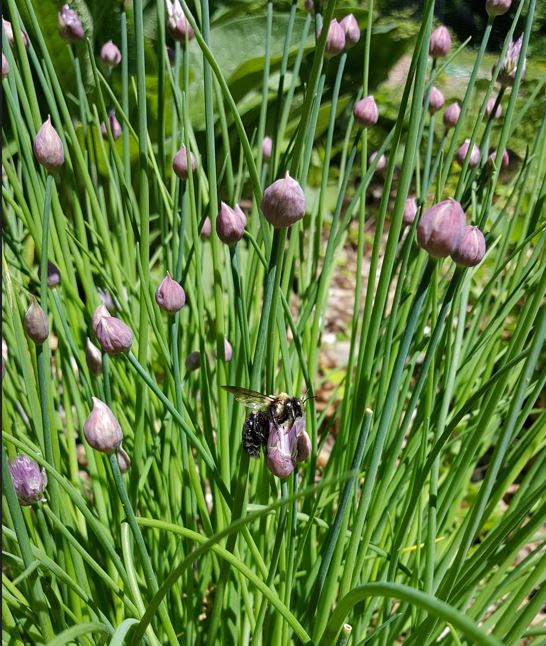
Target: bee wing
x,y
250,398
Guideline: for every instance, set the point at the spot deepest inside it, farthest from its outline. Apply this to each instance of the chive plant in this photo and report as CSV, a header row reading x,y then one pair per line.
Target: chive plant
x,y
412,507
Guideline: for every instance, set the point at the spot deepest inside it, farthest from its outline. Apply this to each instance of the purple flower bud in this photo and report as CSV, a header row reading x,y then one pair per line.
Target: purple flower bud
x,y
505,159
8,29
228,350
335,39
230,224
507,72
99,314
123,460
435,100
451,115
178,25
267,147
381,163
170,295
440,42
283,202
497,7
106,298
471,248
36,323
70,26
351,29
171,55
5,66
180,163
474,155
365,112
309,5
101,429
441,228
93,357
206,229
48,147
279,455
28,479
53,274
410,211
110,54
303,446
114,127
491,106
114,336
193,361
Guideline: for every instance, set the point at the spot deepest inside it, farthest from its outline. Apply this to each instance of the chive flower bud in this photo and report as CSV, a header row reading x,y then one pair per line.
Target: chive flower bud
x,y
70,25
99,314
93,357
303,446
114,127
335,39
180,163
440,42
491,106
110,54
8,30
410,211
279,458
365,112
36,323
170,295
283,202
497,7
351,29
505,158
206,229
471,248
114,335
435,100
309,5
193,361
230,224
5,66
123,460
228,350
28,479
267,148
101,429
507,72
441,228
451,115
474,159
48,147
178,25
381,162
53,274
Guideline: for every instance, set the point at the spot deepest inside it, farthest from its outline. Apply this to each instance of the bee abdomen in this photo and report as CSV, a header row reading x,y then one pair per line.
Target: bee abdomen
x,y
255,431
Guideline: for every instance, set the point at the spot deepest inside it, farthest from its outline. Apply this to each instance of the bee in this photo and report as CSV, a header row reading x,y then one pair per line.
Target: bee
x,y
266,410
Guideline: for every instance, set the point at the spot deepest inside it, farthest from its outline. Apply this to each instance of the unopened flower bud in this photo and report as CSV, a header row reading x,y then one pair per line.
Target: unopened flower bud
x,y
505,158
435,100
48,147
123,460
351,29
507,72
5,66
441,228
228,350
365,112
114,335
335,39
440,42
267,148
279,458
180,163
110,54
303,446
171,55
178,25
230,224
99,314
283,202
53,274
36,323
70,25
101,429
309,5
491,106
206,229
381,162
29,481
170,295
451,115
93,357
497,7
410,211
471,248
193,361
8,30
474,159
115,127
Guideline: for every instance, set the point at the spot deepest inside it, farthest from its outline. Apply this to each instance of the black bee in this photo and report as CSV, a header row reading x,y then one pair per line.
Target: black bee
x,y
266,409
